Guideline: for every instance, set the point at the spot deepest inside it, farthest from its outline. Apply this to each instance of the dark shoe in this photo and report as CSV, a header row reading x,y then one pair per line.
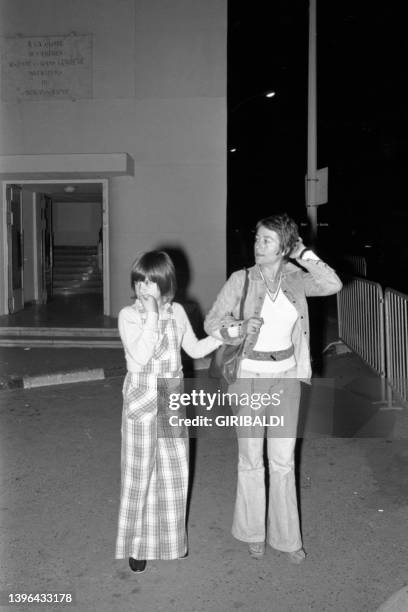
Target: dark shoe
x,y
136,565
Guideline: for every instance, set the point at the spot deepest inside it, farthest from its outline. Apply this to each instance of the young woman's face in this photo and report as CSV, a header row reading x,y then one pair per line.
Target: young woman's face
x,y
267,246
147,287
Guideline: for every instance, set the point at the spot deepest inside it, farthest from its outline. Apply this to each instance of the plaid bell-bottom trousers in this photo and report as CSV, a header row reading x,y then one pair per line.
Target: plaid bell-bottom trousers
x,y
154,482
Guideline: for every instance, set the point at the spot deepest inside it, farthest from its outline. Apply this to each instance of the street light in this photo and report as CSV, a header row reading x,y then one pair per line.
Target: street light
x,y
269,93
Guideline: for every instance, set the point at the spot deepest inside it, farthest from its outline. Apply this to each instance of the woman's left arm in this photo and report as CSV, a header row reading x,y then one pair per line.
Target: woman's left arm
x,y
319,278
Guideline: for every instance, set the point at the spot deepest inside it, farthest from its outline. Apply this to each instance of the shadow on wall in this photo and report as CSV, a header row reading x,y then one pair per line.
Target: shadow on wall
x,y
190,304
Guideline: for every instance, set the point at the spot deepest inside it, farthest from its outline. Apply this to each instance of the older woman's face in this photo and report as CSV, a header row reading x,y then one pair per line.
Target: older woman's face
x,y
267,247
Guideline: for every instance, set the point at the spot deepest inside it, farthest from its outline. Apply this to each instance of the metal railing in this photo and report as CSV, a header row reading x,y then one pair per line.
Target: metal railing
x,y
396,334
360,310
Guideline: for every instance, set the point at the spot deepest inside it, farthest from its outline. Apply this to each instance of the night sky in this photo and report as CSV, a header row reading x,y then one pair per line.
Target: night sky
x,y
362,124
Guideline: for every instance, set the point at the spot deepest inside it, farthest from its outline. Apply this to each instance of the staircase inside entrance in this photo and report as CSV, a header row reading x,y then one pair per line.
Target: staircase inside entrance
x,y
76,270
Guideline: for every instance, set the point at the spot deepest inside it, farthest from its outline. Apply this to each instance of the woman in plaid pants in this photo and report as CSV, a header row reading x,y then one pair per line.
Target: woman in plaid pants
x,y
154,458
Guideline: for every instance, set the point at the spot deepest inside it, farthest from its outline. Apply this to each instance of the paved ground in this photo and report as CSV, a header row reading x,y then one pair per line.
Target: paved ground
x,y
60,471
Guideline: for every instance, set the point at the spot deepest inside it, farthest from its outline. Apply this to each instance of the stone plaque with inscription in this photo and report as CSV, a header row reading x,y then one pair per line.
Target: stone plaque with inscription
x,y
46,67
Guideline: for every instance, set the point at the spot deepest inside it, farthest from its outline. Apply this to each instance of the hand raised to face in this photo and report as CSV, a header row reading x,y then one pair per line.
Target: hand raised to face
x,y
149,302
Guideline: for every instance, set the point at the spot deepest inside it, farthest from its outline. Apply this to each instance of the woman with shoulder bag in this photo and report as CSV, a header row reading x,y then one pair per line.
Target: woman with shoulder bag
x,y
275,356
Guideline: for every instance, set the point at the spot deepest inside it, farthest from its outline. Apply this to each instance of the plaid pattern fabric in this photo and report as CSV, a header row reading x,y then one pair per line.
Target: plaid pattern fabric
x,y
154,470
140,388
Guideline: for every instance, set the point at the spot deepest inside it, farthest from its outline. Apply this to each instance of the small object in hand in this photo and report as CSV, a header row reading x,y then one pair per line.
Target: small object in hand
x,y
252,325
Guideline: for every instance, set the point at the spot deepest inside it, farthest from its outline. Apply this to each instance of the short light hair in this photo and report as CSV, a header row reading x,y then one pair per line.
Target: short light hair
x,y
285,227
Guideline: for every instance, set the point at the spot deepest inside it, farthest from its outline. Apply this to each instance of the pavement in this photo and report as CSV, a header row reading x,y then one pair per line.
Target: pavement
x,y
60,485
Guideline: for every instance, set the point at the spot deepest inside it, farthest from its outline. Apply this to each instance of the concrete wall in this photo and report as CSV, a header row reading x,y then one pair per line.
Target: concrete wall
x,y
159,86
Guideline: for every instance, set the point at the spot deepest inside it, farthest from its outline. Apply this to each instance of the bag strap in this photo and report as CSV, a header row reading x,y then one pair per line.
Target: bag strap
x,y
244,294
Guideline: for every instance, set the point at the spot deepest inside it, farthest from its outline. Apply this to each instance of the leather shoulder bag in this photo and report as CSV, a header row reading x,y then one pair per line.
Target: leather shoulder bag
x,y
226,358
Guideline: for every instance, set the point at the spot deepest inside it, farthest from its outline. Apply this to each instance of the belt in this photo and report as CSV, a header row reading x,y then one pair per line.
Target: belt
x,y
271,355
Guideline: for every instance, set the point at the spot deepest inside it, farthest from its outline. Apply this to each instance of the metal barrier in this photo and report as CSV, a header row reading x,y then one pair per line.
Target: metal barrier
x,y
360,311
396,333
358,264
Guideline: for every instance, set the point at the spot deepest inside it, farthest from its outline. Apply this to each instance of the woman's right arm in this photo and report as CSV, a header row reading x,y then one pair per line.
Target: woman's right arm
x,y
138,338
220,321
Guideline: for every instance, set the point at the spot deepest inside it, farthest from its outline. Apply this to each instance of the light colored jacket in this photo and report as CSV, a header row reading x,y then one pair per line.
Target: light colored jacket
x,y
317,279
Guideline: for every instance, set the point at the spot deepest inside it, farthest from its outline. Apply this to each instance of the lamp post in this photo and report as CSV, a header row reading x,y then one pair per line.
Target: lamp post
x,y
311,178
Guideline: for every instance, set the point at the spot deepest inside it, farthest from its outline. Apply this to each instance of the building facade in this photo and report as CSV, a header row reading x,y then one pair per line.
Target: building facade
x,y
123,101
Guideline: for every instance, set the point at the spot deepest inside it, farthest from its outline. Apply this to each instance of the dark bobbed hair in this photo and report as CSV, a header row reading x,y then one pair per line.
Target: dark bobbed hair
x,y
285,227
157,267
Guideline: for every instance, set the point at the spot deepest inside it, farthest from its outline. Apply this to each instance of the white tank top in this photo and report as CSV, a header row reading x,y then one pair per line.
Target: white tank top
x,y
275,334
